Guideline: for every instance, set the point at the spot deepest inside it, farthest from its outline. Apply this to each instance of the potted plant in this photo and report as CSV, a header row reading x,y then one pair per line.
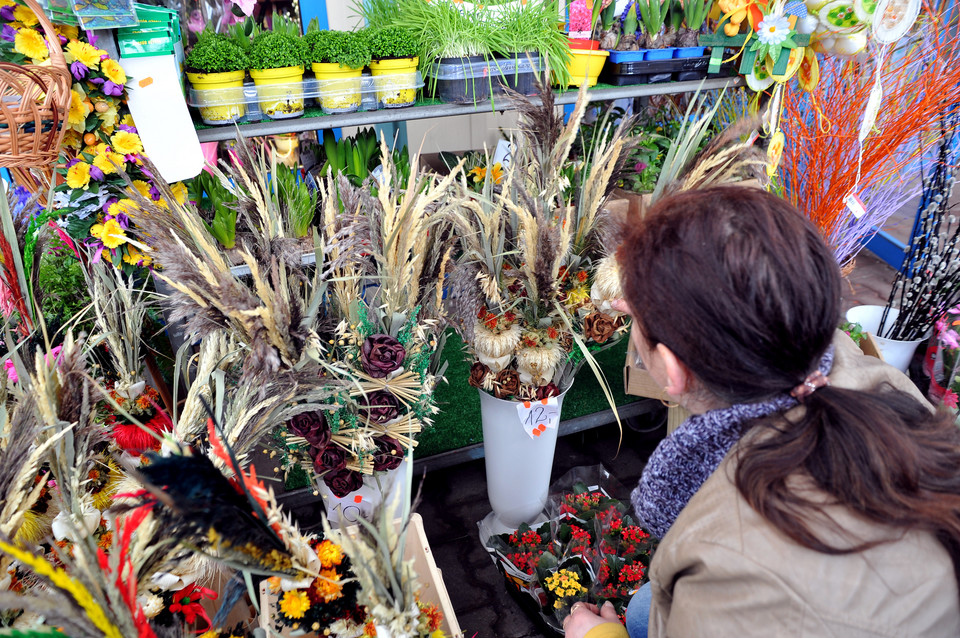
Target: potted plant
x,y
216,67
276,65
586,60
527,44
694,15
396,56
337,59
653,14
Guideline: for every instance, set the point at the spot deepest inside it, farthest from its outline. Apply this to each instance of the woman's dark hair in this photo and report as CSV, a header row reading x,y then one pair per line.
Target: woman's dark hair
x,y
740,286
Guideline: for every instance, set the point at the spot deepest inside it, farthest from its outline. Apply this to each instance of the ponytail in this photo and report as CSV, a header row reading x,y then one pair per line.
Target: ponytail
x,y
881,454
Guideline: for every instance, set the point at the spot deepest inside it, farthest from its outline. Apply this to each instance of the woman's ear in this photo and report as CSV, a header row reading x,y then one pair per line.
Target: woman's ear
x,y
679,379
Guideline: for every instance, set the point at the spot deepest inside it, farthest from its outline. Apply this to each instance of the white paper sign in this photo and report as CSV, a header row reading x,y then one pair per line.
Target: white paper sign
x,y
503,154
856,205
537,416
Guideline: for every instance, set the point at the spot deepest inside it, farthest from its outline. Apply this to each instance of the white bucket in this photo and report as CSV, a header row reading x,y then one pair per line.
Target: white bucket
x,y
895,352
376,489
518,465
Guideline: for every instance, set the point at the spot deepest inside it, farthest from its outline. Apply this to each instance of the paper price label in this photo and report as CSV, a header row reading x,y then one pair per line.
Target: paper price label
x,y
856,205
537,416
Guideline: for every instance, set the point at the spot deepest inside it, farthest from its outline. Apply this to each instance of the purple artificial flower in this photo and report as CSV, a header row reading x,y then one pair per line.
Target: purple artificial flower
x,y
132,157
8,33
72,162
79,70
142,170
128,128
92,38
6,13
97,81
123,220
154,193
63,39
112,88
96,173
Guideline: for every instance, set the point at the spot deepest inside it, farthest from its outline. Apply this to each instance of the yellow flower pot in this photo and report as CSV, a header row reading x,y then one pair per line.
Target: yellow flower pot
x,y
585,66
339,87
396,81
280,91
220,96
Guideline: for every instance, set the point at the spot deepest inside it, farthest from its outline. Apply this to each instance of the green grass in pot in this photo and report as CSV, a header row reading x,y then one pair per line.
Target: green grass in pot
x,y
393,43
346,48
275,50
532,28
216,53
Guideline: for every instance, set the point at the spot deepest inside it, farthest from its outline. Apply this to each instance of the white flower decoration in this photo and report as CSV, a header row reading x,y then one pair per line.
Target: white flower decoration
x,y
774,30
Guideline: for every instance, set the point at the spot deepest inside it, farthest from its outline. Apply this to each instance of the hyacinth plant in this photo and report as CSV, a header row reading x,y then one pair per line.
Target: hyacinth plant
x,y
531,295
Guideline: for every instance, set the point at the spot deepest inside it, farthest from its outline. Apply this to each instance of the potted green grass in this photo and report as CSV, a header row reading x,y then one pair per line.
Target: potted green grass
x,y
277,59
396,56
215,68
528,45
337,59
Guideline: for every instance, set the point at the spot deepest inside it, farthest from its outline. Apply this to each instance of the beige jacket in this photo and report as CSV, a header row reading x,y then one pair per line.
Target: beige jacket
x,y
722,570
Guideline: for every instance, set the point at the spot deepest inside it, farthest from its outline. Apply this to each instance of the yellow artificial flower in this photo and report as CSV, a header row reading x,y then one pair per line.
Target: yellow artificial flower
x,y
78,175
142,187
7,3
179,192
72,139
26,16
108,118
330,554
78,109
122,207
85,53
105,161
128,120
135,257
31,44
328,585
70,32
113,71
109,233
126,143
294,604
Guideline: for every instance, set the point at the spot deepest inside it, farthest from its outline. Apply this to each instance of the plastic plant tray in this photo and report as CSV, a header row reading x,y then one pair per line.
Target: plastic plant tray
x,y
365,93
470,82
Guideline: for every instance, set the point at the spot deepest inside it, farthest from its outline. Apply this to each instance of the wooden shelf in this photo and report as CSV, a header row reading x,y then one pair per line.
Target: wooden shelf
x,y
431,110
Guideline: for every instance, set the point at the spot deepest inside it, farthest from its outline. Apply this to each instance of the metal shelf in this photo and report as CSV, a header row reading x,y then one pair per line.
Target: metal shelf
x,y
366,118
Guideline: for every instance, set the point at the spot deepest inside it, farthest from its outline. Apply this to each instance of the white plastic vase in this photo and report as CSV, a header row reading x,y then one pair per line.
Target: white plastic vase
x,y
518,465
895,352
362,503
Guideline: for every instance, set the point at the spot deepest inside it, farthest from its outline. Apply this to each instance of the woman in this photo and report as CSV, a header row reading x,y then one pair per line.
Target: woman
x,y
812,492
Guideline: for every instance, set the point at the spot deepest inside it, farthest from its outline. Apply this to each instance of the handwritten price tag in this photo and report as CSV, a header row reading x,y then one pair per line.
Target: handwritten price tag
x,y
537,416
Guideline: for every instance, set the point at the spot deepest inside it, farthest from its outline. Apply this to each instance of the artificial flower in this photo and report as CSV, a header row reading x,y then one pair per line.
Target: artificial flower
x,y
126,143
78,69
506,384
151,604
141,187
599,326
67,31
79,110
109,233
538,365
78,175
478,374
31,44
179,192
950,399
294,604
343,482
606,285
389,454
327,587
381,354
8,33
108,162
312,426
113,71
25,16
330,554
86,53
773,30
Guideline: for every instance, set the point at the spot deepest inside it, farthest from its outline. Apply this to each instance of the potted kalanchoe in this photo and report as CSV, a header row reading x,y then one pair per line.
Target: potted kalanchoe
x,y
277,59
337,59
396,56
216,67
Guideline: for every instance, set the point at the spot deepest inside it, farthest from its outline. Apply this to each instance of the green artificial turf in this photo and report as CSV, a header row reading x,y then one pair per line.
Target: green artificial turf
x,y
458,424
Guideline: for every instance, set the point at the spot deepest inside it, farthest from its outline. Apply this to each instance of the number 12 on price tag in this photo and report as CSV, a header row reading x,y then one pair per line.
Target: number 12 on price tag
x,y
537,416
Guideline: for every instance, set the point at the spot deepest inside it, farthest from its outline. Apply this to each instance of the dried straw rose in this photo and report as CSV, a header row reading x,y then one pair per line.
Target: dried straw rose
x,y
599,327
313,427
478,373
389,454
382,406
380,355
507,384
343,482
547,391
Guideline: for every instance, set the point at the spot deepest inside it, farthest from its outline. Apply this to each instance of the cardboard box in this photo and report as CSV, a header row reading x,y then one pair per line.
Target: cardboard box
x,y
869,347
433,591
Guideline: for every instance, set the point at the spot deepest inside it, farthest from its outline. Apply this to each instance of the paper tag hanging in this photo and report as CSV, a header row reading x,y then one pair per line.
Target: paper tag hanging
x,y
893,18
537,416
871,110
856,205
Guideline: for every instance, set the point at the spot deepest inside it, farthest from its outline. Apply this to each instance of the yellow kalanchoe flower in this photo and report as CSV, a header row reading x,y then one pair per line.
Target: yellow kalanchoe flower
x,y
85,53
31,44
126,143
78,175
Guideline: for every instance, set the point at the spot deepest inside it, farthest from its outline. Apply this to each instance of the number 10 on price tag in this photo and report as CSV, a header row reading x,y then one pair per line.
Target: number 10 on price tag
x,y
537,416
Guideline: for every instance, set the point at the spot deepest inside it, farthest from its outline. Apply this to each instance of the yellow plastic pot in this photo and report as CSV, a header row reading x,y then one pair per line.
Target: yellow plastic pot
x,y
585,66
396,81
220,96
339,87
280,91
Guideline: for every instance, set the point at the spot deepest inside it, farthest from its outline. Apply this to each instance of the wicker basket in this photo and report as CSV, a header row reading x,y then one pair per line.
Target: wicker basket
x,y
34,103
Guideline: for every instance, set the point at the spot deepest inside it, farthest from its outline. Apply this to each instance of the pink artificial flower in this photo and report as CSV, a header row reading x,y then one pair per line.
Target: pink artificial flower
x,y
950,339
65,238
7,303
246,6
950,399
11,370
196,23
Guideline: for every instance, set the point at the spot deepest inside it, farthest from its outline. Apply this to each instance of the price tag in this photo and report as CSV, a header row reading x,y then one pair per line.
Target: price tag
x,y
537,416
856,205
503,154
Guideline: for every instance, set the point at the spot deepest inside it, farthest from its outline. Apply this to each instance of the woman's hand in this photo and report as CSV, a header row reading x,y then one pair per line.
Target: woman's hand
x,y
584,617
